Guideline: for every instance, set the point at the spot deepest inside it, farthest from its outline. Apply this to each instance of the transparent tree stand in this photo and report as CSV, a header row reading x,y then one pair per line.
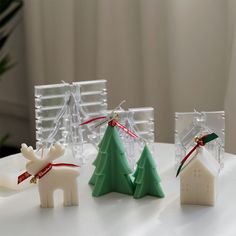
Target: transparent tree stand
x,y
60,108
189,125
141,122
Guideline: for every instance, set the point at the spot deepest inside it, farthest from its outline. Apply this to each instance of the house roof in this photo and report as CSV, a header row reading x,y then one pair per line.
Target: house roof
x,y
205,157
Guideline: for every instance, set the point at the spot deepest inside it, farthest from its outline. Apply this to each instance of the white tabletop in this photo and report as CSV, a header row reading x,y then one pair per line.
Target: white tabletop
x,y
119,214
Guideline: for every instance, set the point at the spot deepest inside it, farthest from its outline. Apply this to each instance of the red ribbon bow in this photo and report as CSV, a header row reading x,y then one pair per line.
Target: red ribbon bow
x,y
201,141
43,171
112,122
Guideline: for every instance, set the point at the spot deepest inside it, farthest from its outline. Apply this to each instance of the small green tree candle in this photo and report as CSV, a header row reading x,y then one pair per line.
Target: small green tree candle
x,y
147,181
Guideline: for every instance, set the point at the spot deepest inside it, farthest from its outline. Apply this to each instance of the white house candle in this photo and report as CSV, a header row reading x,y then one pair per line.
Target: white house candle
x,y
198,180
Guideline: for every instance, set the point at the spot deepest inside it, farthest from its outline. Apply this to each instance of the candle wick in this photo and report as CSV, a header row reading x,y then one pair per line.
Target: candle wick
x,y
42,152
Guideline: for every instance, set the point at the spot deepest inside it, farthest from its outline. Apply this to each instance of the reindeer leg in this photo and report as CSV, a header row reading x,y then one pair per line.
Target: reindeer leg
x,y
74,194
67,197
50,199
43,199
46,198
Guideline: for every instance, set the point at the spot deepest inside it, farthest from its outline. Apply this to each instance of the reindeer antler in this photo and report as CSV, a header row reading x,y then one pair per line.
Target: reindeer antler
x,y
55,151
28,152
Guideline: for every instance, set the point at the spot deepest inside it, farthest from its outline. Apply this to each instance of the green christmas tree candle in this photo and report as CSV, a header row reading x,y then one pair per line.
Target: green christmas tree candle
x,y
112,170
147,181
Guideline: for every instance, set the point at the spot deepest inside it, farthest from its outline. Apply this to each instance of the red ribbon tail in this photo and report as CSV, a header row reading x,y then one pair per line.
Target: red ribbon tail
x,y
185,159
126,129
23,177
44,171
93,119
65,164
189,154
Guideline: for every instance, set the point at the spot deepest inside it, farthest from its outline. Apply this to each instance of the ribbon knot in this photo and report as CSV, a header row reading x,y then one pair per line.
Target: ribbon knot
x,y
199,141
112,123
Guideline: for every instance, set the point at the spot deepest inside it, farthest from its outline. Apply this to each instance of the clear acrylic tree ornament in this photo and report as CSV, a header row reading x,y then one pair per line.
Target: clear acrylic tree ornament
x,y
141,122
189,125
60,108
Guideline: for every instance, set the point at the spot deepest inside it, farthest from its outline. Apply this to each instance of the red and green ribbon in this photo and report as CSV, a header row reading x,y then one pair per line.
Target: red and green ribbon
x,y
200,142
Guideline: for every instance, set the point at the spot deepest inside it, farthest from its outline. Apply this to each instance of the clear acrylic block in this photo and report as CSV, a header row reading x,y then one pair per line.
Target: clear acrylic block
x,y
60,108
189,125
141,122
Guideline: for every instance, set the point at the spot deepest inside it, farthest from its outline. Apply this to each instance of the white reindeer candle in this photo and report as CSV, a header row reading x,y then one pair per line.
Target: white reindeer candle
x,y
51,176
